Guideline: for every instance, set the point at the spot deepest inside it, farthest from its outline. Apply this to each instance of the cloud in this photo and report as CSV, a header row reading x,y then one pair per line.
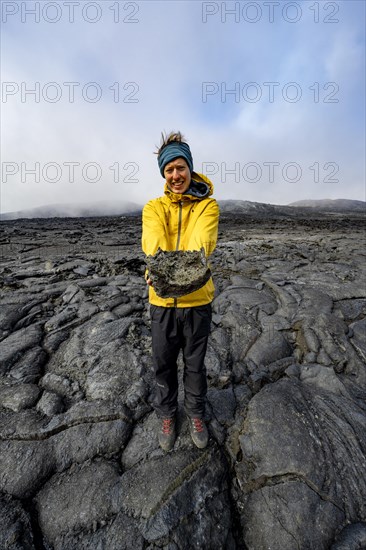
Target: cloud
x,y
162,62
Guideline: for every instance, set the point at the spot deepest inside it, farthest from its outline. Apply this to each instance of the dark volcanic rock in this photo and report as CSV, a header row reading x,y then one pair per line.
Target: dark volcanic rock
x,y
73,501
315,481
16,530
80,463
14,346
183,493
25,466
174,274
120,532
352,537
18,397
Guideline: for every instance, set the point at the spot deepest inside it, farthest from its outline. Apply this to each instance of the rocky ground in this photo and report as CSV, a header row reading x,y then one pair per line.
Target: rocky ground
x,y
285,467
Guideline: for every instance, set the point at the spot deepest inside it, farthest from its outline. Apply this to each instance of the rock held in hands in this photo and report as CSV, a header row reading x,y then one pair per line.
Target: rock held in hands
x,y
177,273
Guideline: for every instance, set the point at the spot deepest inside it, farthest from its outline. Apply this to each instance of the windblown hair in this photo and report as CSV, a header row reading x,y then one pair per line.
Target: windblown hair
x,y
169,138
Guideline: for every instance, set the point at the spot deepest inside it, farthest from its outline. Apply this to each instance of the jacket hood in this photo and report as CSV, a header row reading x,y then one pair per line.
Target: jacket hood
x,y
200,188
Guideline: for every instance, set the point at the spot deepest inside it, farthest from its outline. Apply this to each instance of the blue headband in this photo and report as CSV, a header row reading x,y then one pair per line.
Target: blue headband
x,y
174,150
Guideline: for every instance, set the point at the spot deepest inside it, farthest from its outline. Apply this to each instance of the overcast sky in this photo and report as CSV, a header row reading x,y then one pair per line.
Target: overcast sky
x,y
270,96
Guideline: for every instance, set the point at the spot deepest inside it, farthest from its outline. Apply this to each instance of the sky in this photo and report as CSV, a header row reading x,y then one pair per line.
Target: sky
x,y
270,96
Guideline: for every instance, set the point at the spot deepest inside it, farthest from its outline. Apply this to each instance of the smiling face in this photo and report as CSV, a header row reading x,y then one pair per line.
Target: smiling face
x,y
177,175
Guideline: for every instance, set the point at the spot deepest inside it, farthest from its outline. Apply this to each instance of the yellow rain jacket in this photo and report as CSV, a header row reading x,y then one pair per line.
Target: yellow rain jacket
x,y
182,222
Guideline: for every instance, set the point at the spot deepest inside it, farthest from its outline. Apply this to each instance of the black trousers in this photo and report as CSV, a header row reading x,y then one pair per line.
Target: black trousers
x,y
173,329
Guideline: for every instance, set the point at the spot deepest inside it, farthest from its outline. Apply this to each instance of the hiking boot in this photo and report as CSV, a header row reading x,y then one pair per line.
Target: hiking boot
x,y
199,432
167,433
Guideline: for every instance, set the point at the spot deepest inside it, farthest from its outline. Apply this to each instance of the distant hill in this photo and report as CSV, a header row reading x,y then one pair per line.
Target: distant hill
x,y
109,208
293,209
102,208
336,205
254,208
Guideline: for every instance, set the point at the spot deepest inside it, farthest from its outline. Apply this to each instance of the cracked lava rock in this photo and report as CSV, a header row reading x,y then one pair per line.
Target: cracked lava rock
x,y
80,463
174,274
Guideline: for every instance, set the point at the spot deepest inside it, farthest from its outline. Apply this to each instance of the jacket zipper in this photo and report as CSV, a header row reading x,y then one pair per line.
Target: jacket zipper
x,y
179,224
178,238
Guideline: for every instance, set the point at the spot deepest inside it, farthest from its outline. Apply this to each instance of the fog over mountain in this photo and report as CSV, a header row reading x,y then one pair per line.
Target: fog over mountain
x,y
338,205
113,208
78,210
